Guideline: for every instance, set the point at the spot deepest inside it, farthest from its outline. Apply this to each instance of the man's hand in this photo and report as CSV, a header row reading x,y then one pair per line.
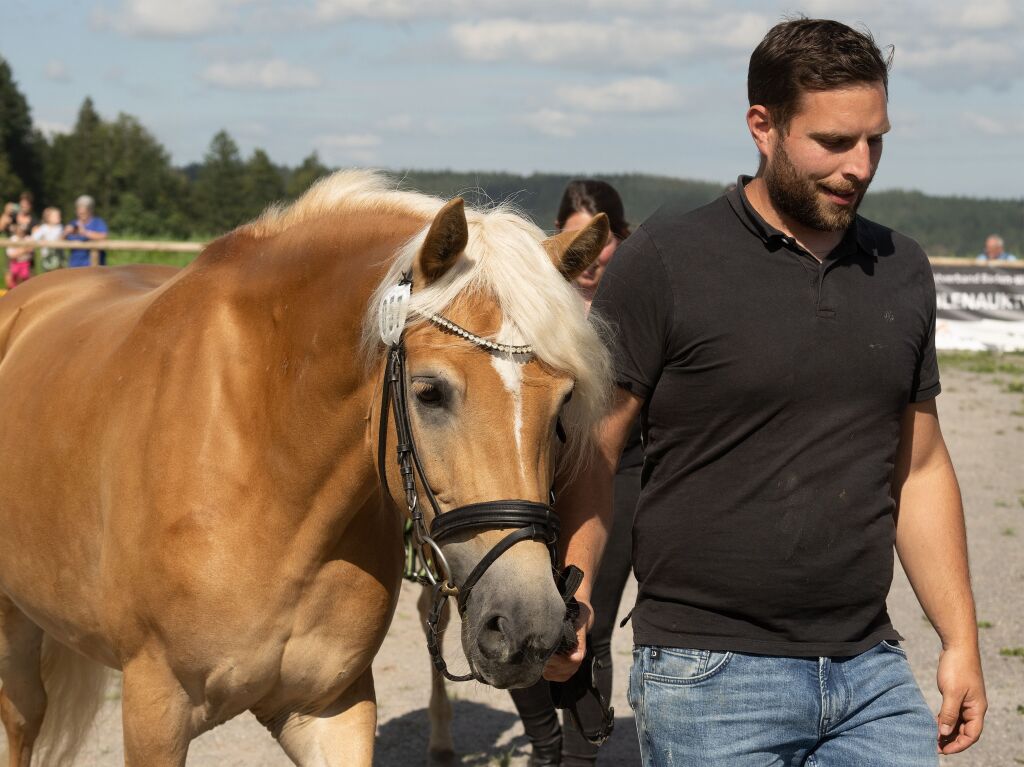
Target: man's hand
x,y
560,667
964,704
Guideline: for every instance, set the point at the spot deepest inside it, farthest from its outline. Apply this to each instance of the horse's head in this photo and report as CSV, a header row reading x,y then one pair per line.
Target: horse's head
x,y
488,416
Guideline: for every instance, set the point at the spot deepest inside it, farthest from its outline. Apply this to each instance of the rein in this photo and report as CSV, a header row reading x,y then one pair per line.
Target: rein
x,y
531,520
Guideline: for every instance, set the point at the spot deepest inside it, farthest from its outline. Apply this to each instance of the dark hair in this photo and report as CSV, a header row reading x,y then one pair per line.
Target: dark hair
x,y
811,55
26,195
591,196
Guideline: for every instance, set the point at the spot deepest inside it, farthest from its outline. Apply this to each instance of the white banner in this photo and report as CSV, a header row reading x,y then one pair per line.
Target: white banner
x,y
980,307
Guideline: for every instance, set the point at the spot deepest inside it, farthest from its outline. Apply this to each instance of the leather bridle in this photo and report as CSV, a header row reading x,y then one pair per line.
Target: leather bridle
x,y
532,521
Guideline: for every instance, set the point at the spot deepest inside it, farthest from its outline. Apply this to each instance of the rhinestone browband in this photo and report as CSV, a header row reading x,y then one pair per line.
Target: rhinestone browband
x,y
494,346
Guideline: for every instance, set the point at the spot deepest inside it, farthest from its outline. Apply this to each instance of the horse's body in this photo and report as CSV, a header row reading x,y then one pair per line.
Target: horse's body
x,y
189,490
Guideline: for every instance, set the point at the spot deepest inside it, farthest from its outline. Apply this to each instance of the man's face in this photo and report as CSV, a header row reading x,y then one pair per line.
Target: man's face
x,y
993,247
818,170
83,212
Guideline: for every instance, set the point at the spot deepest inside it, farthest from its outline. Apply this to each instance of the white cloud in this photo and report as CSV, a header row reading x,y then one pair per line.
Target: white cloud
x,y
635,94
348,141
164,18
622,41
357,147
406,10
256,74
57,71
971,51
963,62
977,14
554,42
552,122
407,124
403,123
52,127
329,10
997,128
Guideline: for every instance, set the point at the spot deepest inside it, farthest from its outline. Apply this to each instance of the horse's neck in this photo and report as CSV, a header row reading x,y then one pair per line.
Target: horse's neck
x,y
303,296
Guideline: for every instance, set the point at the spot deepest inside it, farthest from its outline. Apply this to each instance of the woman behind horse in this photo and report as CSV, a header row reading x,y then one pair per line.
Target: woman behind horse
x,y
582,200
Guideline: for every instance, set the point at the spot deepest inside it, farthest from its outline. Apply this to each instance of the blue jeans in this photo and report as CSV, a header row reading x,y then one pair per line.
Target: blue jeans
x,y
724,709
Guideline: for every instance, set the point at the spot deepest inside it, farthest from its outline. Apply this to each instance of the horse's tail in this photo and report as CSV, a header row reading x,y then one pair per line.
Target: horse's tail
x,y
75,690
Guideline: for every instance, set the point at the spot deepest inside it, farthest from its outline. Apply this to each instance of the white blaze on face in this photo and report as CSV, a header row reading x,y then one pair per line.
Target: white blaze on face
x,y
511,374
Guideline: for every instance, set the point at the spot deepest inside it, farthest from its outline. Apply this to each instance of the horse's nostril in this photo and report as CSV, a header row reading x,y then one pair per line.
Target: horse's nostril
x,y
494,639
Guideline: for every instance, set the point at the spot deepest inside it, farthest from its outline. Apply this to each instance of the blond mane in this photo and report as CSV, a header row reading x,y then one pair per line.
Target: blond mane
x,y
504,261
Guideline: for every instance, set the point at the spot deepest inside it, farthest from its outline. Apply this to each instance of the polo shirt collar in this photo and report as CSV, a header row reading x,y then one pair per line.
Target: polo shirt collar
x,y
775,238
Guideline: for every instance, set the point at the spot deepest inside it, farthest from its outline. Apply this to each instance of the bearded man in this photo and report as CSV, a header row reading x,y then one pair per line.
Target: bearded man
x,y
781,351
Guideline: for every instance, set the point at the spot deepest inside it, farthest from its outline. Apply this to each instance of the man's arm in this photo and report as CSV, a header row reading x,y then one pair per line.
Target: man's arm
x,y
932,545
585,510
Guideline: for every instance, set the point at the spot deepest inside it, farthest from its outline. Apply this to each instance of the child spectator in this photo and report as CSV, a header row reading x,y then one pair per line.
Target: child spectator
x,y
26,205
19,260
51,229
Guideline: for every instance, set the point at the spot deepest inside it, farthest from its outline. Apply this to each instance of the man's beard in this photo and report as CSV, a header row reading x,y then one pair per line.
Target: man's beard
x,y
801,199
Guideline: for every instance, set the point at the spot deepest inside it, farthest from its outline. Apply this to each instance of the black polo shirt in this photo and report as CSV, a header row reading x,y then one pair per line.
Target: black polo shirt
x,y
774,386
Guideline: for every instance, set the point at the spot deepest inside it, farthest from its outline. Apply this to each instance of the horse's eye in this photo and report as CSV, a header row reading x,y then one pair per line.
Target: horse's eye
x,y
428,394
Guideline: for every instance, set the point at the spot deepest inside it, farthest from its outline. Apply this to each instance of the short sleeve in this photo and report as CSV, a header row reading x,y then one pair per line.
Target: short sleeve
x,y
926,377
99,225
635,299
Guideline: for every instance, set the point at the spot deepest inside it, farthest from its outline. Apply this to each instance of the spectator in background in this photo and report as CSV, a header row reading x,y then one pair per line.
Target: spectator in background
x,y
551,745
50,230
26,205
7,219
19,259
581,201
994,251
85,228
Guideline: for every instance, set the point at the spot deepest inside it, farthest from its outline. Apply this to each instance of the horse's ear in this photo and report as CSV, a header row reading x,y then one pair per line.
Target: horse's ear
x,y
445,241
572,252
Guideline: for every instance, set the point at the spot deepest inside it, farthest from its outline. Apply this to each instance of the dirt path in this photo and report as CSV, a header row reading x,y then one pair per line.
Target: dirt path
x,y
983,417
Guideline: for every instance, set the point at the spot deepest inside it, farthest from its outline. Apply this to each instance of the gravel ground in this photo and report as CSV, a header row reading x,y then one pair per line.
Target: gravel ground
x,y
983,418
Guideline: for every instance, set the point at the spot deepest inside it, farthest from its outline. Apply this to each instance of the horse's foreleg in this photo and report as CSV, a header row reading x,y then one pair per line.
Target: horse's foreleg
x,y
22,696
341,736
157,715
441,749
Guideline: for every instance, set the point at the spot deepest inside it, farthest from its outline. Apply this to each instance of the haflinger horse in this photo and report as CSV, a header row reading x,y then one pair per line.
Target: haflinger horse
x,y
196,491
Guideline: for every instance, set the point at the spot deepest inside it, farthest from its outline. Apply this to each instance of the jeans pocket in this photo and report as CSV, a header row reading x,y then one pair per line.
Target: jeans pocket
x,y
893,646
674,665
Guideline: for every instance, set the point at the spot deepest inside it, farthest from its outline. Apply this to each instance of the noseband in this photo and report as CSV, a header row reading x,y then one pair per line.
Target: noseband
x,y
532,521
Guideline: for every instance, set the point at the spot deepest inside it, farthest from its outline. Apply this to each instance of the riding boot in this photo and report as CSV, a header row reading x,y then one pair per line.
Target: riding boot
x,y
546,754
577,751
540,720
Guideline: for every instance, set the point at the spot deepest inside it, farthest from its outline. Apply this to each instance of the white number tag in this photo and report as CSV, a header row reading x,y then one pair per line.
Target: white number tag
x,y
393,311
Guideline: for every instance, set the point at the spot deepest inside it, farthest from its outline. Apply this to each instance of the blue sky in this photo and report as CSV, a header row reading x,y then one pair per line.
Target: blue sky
x,y
578,86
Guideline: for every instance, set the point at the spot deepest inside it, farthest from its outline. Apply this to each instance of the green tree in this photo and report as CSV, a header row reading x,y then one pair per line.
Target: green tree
x,y
141,176
264,183
219,191
10,184
20,144
81,162
126,170
302,177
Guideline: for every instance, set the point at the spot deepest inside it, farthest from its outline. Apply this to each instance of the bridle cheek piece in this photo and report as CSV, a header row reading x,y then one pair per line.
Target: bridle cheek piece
x,y
532,521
